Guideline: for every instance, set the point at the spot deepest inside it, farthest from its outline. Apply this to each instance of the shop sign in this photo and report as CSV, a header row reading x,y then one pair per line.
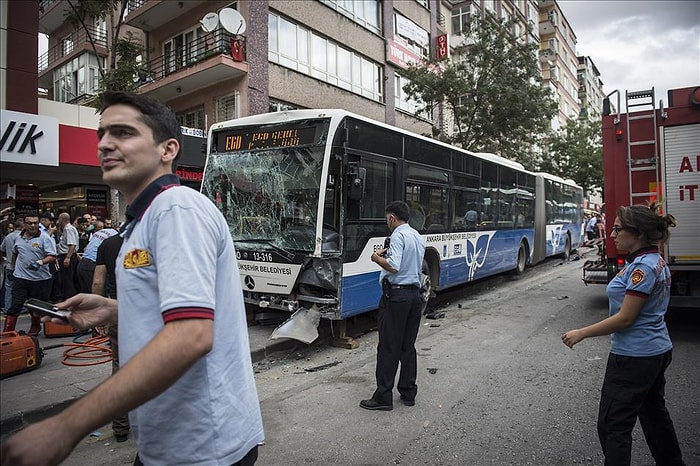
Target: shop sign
x,y
96,202
192,132
410,30
442,47
190,174
26,201
28,138
400,55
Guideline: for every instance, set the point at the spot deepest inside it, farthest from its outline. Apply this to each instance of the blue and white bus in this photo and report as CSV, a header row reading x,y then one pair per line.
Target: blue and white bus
x,y
304,193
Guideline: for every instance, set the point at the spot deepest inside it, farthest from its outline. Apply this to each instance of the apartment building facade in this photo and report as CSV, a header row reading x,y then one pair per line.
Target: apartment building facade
x,y
289,54
559,61
590,89
295,54
279,54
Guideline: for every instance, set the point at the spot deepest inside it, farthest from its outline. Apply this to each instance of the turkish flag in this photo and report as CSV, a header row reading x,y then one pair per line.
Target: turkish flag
x,y
236,50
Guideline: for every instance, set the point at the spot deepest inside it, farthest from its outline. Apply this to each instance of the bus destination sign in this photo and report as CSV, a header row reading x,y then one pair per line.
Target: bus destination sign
x,y
251,139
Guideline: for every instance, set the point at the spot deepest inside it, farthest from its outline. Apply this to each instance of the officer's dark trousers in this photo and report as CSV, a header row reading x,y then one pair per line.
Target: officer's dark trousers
x,y
634,387
24,289
399,320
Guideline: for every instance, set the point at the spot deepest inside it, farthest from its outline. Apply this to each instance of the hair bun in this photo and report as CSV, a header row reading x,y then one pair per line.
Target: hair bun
x,y
666,221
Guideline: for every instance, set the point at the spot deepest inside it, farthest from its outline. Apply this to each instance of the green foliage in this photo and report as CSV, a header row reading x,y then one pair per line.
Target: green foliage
x,y
123,66
576,153
492,87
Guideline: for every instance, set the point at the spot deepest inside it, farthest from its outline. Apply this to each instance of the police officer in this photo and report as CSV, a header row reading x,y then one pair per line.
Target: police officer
x,y
399,310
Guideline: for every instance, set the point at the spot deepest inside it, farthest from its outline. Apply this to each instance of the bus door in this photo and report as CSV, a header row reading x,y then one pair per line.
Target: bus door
x,y
364,228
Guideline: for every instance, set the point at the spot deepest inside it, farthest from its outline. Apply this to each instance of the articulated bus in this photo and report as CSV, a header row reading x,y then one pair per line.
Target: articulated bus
x,y
304,193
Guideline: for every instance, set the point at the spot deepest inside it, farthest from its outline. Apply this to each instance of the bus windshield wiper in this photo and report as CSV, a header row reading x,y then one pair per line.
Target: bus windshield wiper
x,y
267,241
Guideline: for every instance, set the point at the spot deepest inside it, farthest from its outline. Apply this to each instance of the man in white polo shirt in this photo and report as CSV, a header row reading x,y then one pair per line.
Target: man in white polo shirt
x,y
67,248
186,374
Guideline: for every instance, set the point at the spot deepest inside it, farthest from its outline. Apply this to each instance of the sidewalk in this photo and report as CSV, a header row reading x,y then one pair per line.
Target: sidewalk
x,y
32,396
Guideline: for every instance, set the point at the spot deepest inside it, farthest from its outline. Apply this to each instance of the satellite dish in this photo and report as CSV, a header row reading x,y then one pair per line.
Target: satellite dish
x,y
232,21
209,22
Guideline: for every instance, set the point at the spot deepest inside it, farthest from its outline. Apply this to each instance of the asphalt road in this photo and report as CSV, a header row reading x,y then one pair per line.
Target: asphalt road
x,y
496,387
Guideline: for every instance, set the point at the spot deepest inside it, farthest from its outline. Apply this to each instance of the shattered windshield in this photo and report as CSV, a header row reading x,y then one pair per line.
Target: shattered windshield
x,y
269,195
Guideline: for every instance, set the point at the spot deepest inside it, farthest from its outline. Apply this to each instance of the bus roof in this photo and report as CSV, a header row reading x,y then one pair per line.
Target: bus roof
x,y
558,178
338,114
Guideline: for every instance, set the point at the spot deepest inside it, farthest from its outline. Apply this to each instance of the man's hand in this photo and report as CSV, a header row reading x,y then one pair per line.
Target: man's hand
x,y
88,311
377,254
44,444
35,265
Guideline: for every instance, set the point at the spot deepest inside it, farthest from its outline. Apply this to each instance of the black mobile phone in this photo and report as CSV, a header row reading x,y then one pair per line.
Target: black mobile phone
x,y
43,308
387,240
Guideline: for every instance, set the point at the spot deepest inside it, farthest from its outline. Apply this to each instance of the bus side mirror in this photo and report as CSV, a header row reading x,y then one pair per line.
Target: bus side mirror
x,y
356,183
606,106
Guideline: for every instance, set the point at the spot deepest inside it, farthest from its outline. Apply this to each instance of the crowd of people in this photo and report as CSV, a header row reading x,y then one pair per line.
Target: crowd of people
x,y
57,266
595,226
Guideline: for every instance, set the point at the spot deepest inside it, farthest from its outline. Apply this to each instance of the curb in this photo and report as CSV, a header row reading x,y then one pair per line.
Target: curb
x,y
19,421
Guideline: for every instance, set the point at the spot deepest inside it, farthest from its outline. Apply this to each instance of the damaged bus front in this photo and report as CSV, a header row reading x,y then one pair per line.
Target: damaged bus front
x,y
268,179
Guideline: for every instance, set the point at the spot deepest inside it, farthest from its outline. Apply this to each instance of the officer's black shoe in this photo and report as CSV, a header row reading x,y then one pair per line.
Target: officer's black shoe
x,y
375,405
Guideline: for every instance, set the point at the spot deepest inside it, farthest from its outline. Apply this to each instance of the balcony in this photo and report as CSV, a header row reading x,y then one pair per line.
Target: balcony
x,y
548,55
198,64
548,23
52,14
152,14
67,49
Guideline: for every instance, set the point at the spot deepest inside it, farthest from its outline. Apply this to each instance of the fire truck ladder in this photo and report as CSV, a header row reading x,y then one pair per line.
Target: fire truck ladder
x,y
643,104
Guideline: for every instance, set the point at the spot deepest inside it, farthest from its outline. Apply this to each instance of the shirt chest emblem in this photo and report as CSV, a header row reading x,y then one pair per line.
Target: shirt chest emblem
x,y
137,258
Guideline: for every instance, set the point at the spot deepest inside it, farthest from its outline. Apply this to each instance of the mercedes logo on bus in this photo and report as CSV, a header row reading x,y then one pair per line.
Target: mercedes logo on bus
x,y
249,282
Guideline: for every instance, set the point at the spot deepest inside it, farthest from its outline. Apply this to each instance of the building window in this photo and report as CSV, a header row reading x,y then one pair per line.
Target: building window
x,y
183,49
533,14
66,45
193,118
77,77
403,102
226,107
460,21
292,46
363,12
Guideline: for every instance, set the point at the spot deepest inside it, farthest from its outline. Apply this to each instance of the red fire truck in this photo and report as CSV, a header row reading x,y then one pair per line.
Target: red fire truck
x,y
652,154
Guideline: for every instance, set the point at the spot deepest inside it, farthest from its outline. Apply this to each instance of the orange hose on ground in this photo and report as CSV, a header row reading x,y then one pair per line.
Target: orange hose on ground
x,y
90,353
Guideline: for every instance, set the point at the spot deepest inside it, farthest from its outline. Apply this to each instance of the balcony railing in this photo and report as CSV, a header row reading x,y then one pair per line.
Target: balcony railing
x,y
44,4
78,40
212,44
134,5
